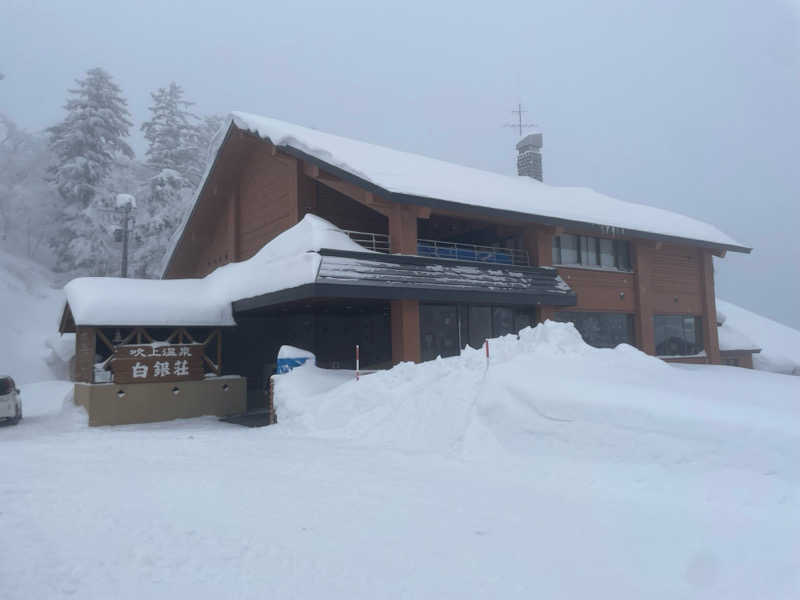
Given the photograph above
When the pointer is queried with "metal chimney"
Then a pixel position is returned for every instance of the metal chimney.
(529, 157)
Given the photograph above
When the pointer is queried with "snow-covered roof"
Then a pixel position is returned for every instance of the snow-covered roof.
(288, 261)
(742, 329)
(394, 172)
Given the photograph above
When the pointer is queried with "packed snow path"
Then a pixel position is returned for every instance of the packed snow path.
(611, 475)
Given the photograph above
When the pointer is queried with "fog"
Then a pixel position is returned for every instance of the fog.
(690, 106)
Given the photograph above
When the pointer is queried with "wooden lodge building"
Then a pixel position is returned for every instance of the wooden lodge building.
(328, 242)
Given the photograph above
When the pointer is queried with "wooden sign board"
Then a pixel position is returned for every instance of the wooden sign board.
(150, 363)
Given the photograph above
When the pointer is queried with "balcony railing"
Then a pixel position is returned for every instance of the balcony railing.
(380, 242)
(472, 252)
(377, 242)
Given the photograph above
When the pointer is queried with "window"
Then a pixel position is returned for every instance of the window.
(678, 335)
(444, 328)
(502, 320)
(439, 330)
(602, 330)
(590, 251)
(480, 325)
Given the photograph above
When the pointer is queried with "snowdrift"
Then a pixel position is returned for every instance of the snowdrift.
(546, 391)
(30, 348)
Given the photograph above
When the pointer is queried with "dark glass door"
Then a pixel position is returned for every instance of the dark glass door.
(438, 330)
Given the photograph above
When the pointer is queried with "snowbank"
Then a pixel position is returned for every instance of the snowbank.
(412, 174)
(548, 387)
(291, 260)
(29, 308)
(740, 328)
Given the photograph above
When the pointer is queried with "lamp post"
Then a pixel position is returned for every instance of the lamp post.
(127, 203)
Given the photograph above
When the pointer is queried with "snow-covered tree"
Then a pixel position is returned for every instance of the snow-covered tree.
(91, 136)
(27, 201)
(88, 146)
(202, 137)
(169, 130)
(177, 154)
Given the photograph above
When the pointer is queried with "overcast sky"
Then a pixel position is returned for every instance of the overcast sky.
(691, 105)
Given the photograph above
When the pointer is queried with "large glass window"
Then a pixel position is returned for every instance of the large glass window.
(445, 328)
(480, 325)
(439, 335)
(588, 251)
(678, 335)
(502, 320)
(602, 330)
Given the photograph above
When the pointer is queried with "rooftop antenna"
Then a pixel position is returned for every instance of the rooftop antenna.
(519, 117)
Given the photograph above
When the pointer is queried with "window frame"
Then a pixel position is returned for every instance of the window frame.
(621, 253)
(629, 318)
(699, 338)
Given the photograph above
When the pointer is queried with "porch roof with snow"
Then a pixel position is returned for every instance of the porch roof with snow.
(312, 259)
(376, 276)
(407, 178)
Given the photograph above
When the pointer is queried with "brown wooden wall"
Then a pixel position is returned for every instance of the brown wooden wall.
(601, 290)
(268, 199)
(676, 280)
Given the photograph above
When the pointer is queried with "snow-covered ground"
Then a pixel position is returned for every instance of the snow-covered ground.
(559, 471)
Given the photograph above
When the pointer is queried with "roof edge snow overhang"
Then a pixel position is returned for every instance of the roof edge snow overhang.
(441, 204)
(372, 291)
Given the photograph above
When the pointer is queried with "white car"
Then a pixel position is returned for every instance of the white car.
(10, 403)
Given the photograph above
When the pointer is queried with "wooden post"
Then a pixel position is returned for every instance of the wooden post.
(219, 352)
(546, 312)
(85, 345)
(403, 229)
(643, 263)
(405, 331)
(710, 333)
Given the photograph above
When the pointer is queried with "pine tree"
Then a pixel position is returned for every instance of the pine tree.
(169, 130)
(171, 133)
(201, 140)
(87, 146)
(90, 137)
(177, 155)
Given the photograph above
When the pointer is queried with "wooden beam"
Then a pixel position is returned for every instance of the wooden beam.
(105, 340)
(188, 336)
(219, 352)
(311, 170)
(350, 190)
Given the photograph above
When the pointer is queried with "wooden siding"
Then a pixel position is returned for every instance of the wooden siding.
(268, 199)
(217, 251)
(601, 290)
(676, 280)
